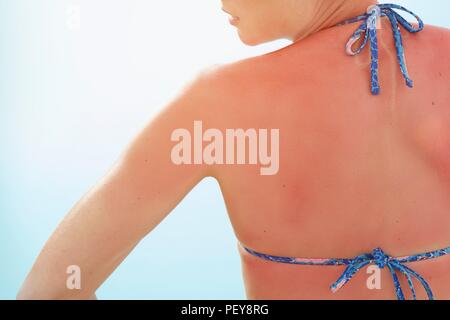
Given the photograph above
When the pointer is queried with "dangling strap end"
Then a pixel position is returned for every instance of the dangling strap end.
(410, 83)
(376, 91)
(337, 285)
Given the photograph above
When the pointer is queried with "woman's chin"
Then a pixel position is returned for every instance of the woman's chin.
(249, 40)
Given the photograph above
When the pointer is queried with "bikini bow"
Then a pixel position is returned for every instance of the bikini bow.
(379, 258)
(371, 21)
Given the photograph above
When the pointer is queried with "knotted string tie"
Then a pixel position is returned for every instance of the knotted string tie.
(371, 21)
(379, 258)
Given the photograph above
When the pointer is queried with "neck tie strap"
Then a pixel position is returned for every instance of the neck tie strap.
(371, 21)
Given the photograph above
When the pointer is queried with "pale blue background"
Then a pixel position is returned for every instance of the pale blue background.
(71, 97)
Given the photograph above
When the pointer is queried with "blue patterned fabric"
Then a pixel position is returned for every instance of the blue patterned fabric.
(377, 257)
(369, 28)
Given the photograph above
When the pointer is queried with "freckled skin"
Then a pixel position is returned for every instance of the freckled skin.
(356, 171)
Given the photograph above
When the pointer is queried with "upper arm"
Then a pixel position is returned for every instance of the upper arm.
(135, 196)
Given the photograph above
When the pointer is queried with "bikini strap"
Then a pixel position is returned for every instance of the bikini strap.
(377, 257)
(382, 260)
(370, 24)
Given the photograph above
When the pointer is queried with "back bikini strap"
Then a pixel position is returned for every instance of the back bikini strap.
(369, 26)
(377, 257)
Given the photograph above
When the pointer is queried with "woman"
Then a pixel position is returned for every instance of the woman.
(363, 164)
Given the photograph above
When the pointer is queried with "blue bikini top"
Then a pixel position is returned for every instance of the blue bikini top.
(376, 257)
(369, 25)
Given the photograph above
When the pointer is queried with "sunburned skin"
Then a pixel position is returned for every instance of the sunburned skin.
(356, 171)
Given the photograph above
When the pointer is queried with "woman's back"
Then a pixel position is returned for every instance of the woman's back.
(356, 171)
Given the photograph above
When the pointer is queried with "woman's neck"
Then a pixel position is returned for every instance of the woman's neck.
(334, 12)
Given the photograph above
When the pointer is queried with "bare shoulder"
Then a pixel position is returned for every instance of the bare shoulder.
(439, 42)
(440, 32)
(430, 121)
(229, 76)
(219, 81)
(229, 87)
(435, 38)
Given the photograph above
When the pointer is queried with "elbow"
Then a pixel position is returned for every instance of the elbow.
(29, 294)
(25, 294)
